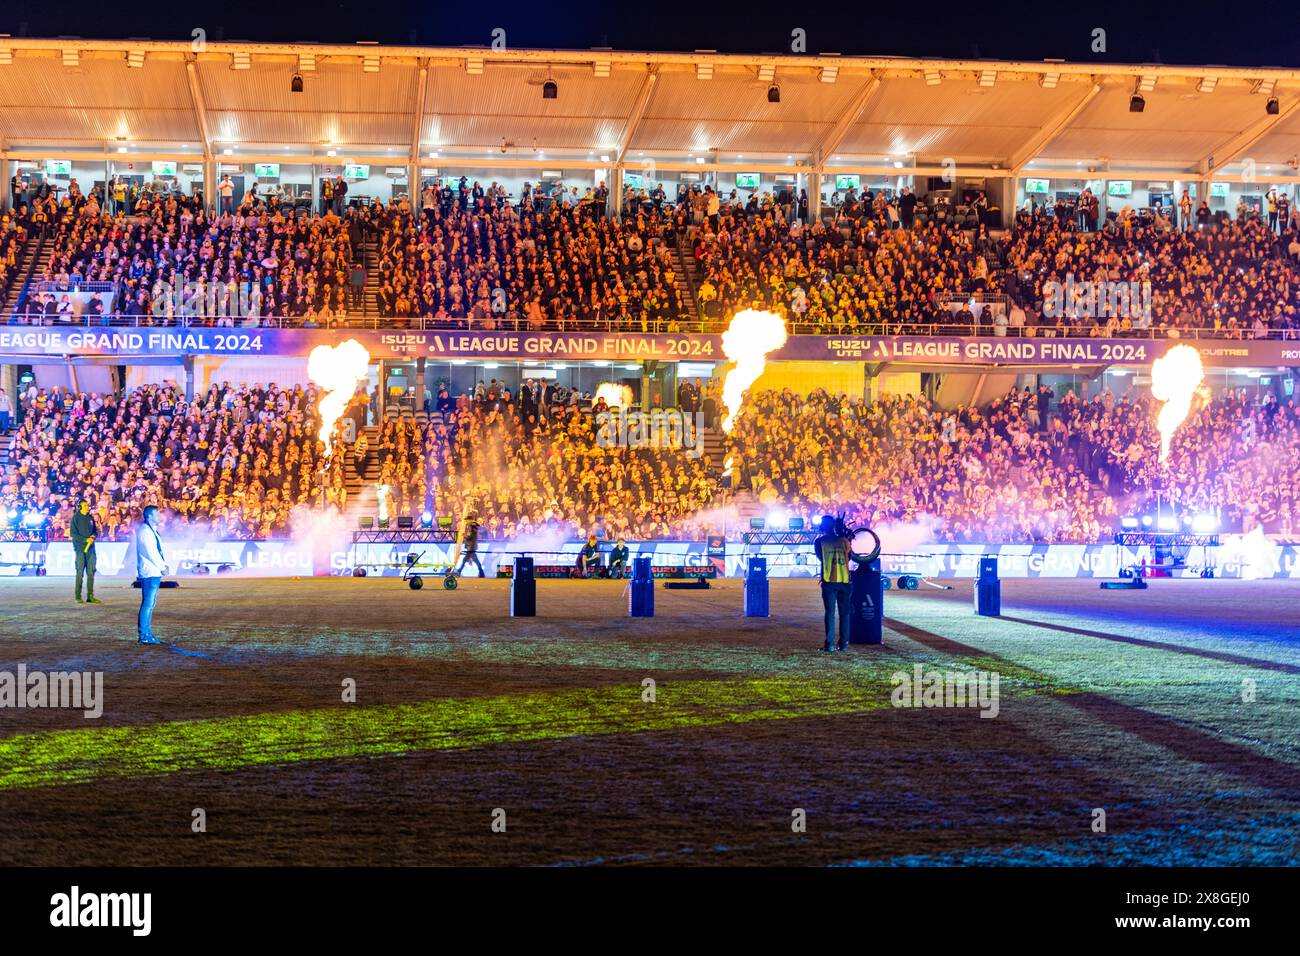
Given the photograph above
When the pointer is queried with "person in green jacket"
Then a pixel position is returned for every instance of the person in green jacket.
(83, 532)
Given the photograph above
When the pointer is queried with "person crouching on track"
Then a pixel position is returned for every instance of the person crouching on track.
(588, 562)
(833, 552)
(469, 543)
(83, 532)
(618, 560)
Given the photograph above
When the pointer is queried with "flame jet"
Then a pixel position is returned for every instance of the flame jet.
(748, 340)
(1175, 377)
(337, 370)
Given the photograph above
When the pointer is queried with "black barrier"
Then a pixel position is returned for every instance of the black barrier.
(523, 589)
(988, 589)
(866, 604)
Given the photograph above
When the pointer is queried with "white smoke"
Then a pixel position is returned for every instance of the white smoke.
(1253, 553)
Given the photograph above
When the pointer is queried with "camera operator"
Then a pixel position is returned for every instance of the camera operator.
(832, 549)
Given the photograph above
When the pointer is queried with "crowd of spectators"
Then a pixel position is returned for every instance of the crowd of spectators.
(1023, 468)
(170, 261)
(465, 255)
(534, 462)
(234, 462)
(469, 258)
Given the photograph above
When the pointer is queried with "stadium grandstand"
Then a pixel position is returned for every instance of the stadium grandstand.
(976, 262)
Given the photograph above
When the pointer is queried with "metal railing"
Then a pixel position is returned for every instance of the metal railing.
(73, 284)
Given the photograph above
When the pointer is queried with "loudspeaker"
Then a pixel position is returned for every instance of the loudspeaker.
(523, 588)
(988, 569)
(988, 589)
(866, 604)
(641, 589)
(757, 602)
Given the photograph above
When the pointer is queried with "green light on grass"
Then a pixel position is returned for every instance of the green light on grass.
(64, 757)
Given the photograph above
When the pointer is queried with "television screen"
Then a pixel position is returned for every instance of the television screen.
(266, 170)
(58, 167)
(1119, 187)
(1037, 186)
(845, 181)
(164, 168)
(633, 180)
(1218, 190)
(356, 172)
(746, 180)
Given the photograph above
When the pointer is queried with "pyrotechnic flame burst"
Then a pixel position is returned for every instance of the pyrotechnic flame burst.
(382, 492)
(1175, 377)
(337, 370)
(615, 395)
(747, 341)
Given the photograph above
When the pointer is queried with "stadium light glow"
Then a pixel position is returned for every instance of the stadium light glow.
(33, 519)
(1168, 523)
(426, 520)
(1147, 521)
(1206, 523)
(1129, 524)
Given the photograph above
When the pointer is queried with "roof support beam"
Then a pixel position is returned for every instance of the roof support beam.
(638, 113)
(200, 109)
(831, 141)
(1234, 148)
(417, 114)
(1053, 128)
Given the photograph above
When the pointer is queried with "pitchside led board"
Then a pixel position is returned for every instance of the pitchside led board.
(56, 344)
(197, 556)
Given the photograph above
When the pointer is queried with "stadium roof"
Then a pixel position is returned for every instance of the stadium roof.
(373, 103)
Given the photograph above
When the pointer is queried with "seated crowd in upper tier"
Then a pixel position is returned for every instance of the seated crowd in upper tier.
(472, 257)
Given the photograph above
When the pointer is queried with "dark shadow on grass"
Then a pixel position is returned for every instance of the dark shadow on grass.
(1186, 741)
(1162, 646)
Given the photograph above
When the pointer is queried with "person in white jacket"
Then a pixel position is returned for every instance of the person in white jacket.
(150, 566)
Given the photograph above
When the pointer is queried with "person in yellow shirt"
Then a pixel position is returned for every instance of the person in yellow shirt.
(832, 549)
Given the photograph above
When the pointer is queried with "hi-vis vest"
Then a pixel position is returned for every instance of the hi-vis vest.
(834, 554)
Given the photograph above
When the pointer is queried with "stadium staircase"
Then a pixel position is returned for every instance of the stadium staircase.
(370, 294)
(683, 259)
(715, 449)
(358, 482)
(6, 449)
(35, 257)
(747, 507)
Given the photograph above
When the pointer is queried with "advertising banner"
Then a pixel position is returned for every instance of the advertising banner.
(20, 342)
(937, 561)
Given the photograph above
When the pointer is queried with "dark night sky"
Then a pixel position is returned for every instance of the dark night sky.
(1260, 33)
